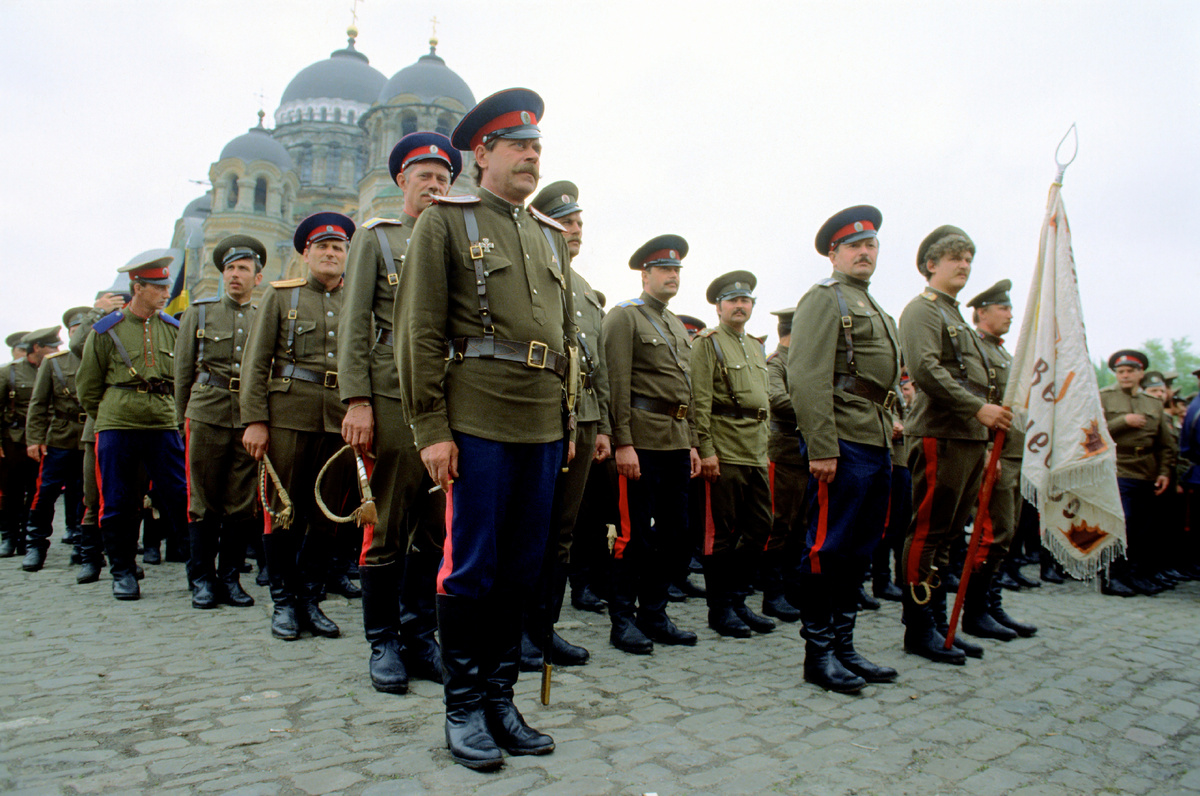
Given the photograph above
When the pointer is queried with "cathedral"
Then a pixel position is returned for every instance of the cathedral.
(335, 126)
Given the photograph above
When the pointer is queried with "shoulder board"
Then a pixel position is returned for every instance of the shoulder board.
(209, 300)
(830, 282)
(374, 222)
(709, 332)
(929, 295)
(456, 200)
(632, 303)
(545, 219)
(107, 322)
(299, 281)
(55, 354)
(171, 319)
(1109, 388)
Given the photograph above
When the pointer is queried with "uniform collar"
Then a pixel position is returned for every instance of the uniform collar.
(991, 338)
(489, 199)
(651, 301)
(731, 332)
(846, 279)
(228, 301)
(318, 286)
(946, 297)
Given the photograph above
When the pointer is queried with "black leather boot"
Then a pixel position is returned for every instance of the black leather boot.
(721, 617)
(280, 551)
(311, 617)
(37, 538)
(562, 652)
(865, 601)
(921, 636)
(938, 603)
(231, 555)
(8, 534)
(418, 616)
(507, 725)
(1049, 567)
(996, 609)
(625, 634)
(775, 593)
(381, 623)
(977, 618)
(121, 544)
(745, 567)
(92, 554)
(1014, 572)
(881, 575)
(202, 555)
(821, 665)
(844, 614)
(652, 616)
(462, 626)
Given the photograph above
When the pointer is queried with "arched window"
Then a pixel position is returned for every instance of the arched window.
(408, 123)
(350, 117)
(306, 164)
(337, 114)
(445, 124)
(308, 114)
(333, 164)
(231, 195)
(260, 195)
(323, 114)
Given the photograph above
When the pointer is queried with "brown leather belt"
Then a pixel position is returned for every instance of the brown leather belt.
(724, 410)
(659, 406)
(979, 392)
(865, 389)
(149, 387)
(536, 355)
(1134, 450)
(218, 381)
(327, 379)
(384, 336)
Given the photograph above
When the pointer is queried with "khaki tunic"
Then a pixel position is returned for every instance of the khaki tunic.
(293, 403)
(1155, 444)
(226, 329)
(16, 380)
(640, 362)
(783, 437)
(944, 407)
(529, 295)
(55, 416)
(150, 344)
(818, 354)
(734, 440)
(1001, 362)
(593, 403)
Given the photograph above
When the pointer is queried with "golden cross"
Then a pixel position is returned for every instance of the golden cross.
(434, 21)
(354, 12)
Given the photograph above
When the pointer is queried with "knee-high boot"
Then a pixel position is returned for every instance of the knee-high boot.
(381, 623)
(821, 665)
(463, 628)
(503, 656)
(418, 616)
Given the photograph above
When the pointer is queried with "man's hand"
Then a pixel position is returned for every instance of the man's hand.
(109, 302)
(36, 452)
(695, 463)
(603, 448)
(255, 439)
(823, 469)
(710, 468)
(897, 430)
(1160, 484)
(1135, 420)
(997, 418)
(627, 462)
(441, 462)
(358, 426)
(570, 451)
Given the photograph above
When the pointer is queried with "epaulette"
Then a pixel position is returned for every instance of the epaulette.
(545, 219)
(709, 332)
(371, 223)
(830, 282)
(171, 319)
(456, 200)
(210, 300)
(108, 321)
(299, 281)
(1109, 388)
(929, 295)
(632, 303)
(55, 354)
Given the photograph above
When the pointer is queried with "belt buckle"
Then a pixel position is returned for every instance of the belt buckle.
(762, 415)
(143, 388)
(83, 417)
(235, 384)
(681, 412)
(537, 346)
(889, 400)
(330, 379)
(393, 279)
(476, 251)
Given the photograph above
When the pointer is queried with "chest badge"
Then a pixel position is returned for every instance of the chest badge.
(486, 244)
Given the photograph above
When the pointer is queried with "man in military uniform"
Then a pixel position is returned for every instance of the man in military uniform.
(729, 409)
(124, 381)
(16, 343)
(53, 433)
(788, 472)
(484, 313)
(843, 374)
(648, 354)
(18, 472)
(560, 201)
(983, 611)
(289, 405)
(400, 553)
(221, 475)
(948, 427)
(1145, 456)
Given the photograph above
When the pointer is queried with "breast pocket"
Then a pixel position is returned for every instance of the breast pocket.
(492, 263)
(307, 342)
(652, 340)
(865, 322)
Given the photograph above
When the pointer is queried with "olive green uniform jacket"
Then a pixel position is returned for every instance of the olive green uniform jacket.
(16, 380)
(593, 403)
(529, 294)
(1001, 362)
(226, 330)
(783, 439)
(824, 413)
(268, 396)
(1142, 453)
(55, 417)
(150, 344)
(944, 407)
(640, 361)
(734, 440)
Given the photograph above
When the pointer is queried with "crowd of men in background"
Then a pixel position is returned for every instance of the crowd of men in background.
(516, 437)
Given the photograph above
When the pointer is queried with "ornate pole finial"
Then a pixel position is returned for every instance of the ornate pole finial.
(1062, 167)
(433, 40)
(261, 115)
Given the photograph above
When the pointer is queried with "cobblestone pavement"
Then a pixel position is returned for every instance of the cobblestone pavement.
(154, 697)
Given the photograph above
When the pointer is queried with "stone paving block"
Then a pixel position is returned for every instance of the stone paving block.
(326, 780)
(1145, 737)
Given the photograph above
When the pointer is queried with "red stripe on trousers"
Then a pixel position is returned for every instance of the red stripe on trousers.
(623, 511)
(917, 548)
(771, 486)
(369, 528)
(448, 547)
(37, 489)
(99, 484)
(710, 527)
(814, 558)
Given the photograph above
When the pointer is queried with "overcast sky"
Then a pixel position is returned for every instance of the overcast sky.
(741, 126)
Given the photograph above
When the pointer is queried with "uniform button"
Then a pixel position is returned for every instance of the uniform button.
(237, 365)
(330, 314)
(239, 348)
(331, 334)
(330, 355)
(239, 331)
(527, 257)
(535, 291)
(583, 334)
(239, 315)
(326, 295)
(578, 314)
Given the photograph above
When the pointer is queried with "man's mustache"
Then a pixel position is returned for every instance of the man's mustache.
(527, 168)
